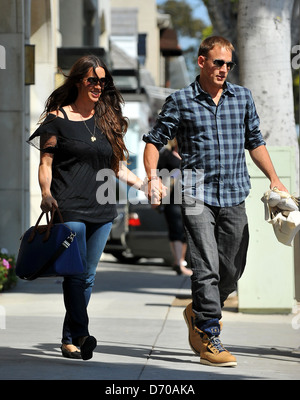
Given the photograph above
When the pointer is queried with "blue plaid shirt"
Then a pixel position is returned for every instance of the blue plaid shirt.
(211, 140)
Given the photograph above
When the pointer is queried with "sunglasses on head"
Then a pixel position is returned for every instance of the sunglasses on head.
(92, 80)
(219, 64)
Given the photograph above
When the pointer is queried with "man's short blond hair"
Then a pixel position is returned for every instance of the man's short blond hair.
(212, 41)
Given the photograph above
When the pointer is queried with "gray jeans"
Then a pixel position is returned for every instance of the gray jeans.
(217, 242)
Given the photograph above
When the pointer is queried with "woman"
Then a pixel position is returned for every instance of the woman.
(170, 159)
(82, 133)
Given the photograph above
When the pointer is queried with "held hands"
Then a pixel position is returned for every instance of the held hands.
(154, 189)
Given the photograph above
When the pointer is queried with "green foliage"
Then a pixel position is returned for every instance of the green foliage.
(234, 2)
(208, 31)
(182, 18)
(187, 26)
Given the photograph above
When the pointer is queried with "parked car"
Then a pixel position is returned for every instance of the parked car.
(138, 232)
(115, 244)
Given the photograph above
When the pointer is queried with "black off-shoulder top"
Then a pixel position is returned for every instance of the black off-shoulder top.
(81, 193)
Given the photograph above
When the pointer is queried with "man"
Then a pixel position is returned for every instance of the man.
(214, 122)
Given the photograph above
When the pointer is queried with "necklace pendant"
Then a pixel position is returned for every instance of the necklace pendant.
(93, 138)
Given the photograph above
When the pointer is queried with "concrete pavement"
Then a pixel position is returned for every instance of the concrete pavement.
(136, 316)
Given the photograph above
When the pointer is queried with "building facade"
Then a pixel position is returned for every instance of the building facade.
(37, 37)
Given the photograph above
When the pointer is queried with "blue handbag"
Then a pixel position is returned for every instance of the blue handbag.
(48, 250)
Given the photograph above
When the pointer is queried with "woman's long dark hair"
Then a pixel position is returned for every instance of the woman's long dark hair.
(108, 111)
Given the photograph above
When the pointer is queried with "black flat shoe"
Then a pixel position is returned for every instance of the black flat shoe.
(177, 269)
(70, 354)
(182, 271)
(87, 347)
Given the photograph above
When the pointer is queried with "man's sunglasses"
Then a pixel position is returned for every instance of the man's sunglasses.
(92, 80)
(219, 63)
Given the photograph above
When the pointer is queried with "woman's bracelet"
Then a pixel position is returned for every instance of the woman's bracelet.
(153, 178)
(147, 181)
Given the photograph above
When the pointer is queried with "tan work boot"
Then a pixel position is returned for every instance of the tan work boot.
(194, 337)
(213, 352)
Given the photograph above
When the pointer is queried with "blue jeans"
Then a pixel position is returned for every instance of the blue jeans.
(78, 288)
(217, 242)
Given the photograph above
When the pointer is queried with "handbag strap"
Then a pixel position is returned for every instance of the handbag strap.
(49, 223)
(64, 246)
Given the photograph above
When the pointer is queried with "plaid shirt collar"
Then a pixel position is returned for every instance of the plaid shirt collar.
(201, 94)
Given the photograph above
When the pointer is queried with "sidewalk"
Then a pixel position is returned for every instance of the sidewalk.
(136, 316)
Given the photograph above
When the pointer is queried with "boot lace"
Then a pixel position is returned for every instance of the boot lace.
(216, 342)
